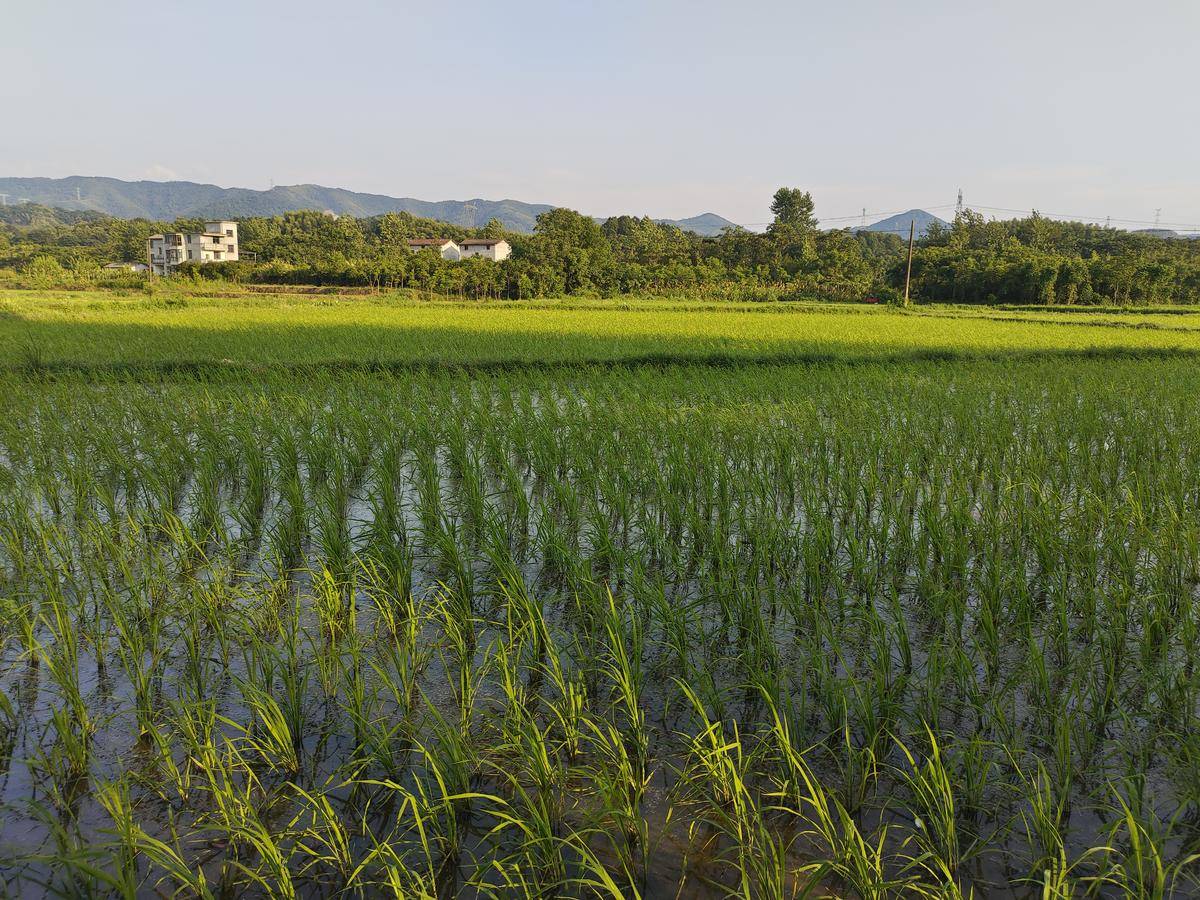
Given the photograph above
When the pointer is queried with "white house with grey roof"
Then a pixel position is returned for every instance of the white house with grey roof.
(444, 247)
(489, 248)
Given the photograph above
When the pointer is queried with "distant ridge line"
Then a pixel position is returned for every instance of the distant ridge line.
(170, 200)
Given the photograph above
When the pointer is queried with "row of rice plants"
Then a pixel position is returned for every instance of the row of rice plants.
(758, 632)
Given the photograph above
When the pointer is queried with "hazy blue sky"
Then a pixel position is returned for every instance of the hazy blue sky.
(669, 108)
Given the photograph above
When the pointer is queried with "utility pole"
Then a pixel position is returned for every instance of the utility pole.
(912, 225)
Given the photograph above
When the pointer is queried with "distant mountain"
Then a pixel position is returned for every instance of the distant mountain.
(898, 224)
(705, 224)
(169, 200)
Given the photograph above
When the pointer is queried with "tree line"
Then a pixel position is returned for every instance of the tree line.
(1037, 260)
(1031, 260)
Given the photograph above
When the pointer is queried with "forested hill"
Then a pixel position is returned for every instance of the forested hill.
(705, 224)
(898, 224)
(170, 200)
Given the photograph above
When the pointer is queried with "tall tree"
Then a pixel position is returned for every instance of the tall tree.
(794, 228)
(793, 209)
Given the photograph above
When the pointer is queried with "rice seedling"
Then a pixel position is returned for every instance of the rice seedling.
(883, 626)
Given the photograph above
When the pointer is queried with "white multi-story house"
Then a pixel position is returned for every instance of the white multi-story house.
(489, 248)
(445, 247)
(218, 242)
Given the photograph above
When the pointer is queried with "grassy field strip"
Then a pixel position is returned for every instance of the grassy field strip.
(358, 333)
(1161, 321)
(69, 302)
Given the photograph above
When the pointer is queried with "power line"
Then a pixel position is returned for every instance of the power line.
(1076, 217)
(886, 214)
(863, 214)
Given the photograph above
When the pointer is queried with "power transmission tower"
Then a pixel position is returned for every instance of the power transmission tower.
(1107, 220)
(3, 199)
(1157, 216)
(958, 207)
(78, 196)
(864, 225)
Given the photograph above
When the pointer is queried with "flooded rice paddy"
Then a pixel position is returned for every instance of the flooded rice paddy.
(871, 630)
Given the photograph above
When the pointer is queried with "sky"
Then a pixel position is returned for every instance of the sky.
(1088, 109)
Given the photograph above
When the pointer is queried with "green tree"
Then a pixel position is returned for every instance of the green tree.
(793, 209)
(394, 228)
(794, 229)
(562, 230)
(44, 272)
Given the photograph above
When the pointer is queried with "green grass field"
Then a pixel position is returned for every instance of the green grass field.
(363, 596)
(94, 331)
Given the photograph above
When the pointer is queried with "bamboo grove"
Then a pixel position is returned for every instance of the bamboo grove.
(773, 631)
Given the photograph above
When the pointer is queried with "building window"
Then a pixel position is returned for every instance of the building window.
(229, 247)
(228, 232)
